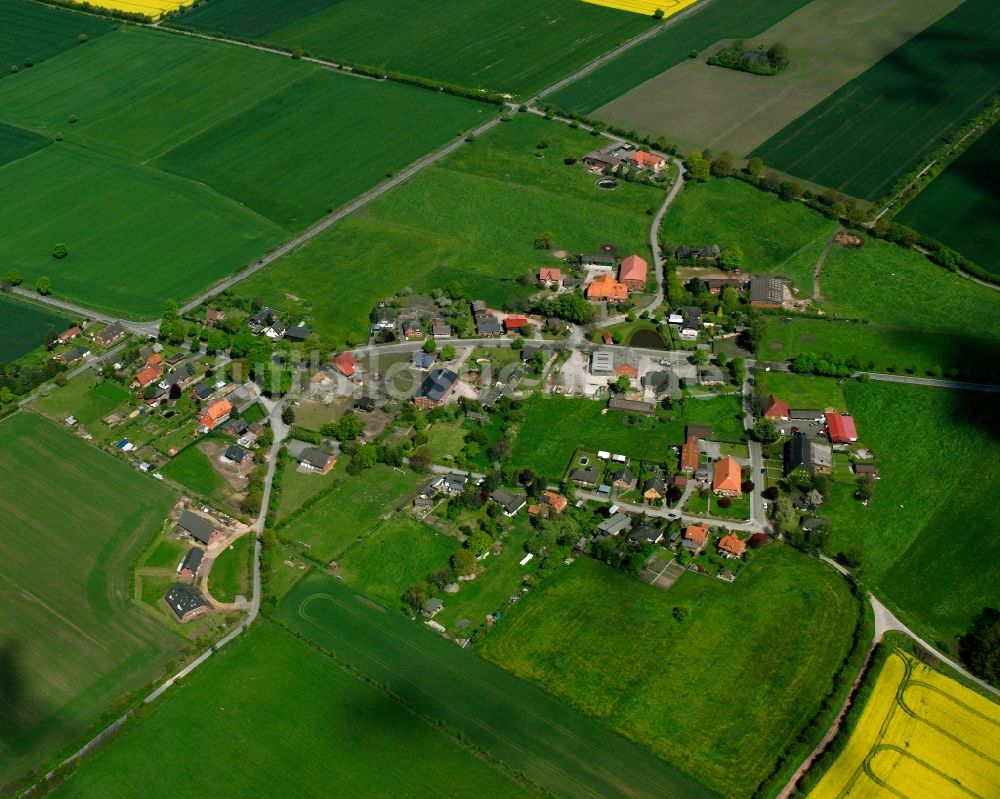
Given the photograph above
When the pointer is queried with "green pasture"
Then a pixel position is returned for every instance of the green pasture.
(38, 32)
(297, 487)
(230, 575)
(23, 327)
(729, 683)
(777, 237)
(926, 536)
(167, 553)
(304, 724)
(86, 397)
(803, 391)
(555, 746)
(17, 142)
(73, 642)
(877, 127)
(960, 207)
(529, 45)
(192, 469)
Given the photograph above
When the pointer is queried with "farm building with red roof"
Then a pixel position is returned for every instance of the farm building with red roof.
(632, 273)
(841, 429)
(345, 364)
(776, 408)
(727, 479)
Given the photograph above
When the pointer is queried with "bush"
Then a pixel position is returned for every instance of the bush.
(724, 502)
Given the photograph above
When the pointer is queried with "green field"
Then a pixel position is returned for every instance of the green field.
(351, 510)
(529, 46)
(297, 487)
(17, 142)
(803, 391)
(302, 723)
(193, 470)
(876, 128)
(473, 218)
(777, 237)
(960, 207)
(705, 26)
(398, 554)
(230, 573)
(72, 642)
(555, 746)
(86, 397)
(555, 427)
(36, 32)
(926, 536)
(23, 327)
(738, 682)
(212, 137)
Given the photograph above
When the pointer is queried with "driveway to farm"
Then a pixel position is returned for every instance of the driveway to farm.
(750, 526)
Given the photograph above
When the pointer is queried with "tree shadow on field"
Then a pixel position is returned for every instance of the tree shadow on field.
(20, 712)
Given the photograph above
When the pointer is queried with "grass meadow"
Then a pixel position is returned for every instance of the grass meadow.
(555, 746)
(37, 32)
(731, 682)
(960, 207)
(23, 327)
(230, 575)
(17, 142)
(72, 642)
(192, 469)
(86, 397)
(783, 238)
(877, 127)
(529, 46)
(472, 218)
(803, 391)
(303, 723)
(926, 536)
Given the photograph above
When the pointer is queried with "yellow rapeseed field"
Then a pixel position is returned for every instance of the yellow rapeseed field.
(646, 7)
(153, 9)
(920, 734)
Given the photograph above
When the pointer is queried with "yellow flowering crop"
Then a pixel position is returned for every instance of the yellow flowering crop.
(646, 7)
(153, 9)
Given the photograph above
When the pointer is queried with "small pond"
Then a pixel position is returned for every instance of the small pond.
(647, 339)
(608, 184)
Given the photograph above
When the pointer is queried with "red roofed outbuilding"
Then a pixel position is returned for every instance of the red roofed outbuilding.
(841, 429)
(776, 408)
(514, 323)
(345, 364)
(632, 273)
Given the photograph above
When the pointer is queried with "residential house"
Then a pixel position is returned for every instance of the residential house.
(804, 455)
(664, 384)
(261, 321)
(213, 316)
(602, 363)
(276, 330)
(690, 454)
(678, 480)
(181, 377)
(632, 272)
(627, 370)
(346, 364)
(776, 409)
(365, 404)
(557, 502)
(727, 478)
(435, 388)
(645, 533)
(422, 360)
(840, 427)
(299, 333)
(385, 319)
(147, 376)
(110, 334)
(624, 479)
(73, 355)
(233, 427)
(192, 562)
(711, 376)
(200, 528)
(616, 523)
(867, 470)
(641, 160)
(514, 323)
(766, 292)
(730, 546)
(586, 476)
(154, 360)
(605, 287)
(186, 603)
(202, 391)
(236, 454)
(432, 607)
(653, 489)
(317, 459)
(549, 276)
(602, 160)
(68, 335)
(695, 538)
(619, 403)
(410, 327)
(215, 414)
(511, 503)
(488, 325)
(440, 329)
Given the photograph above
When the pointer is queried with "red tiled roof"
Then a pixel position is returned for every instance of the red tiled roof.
(841, 428)
(606, 287)
(154, 359)
(514, 322)
(697, 533)
(146, 376)
(628, 370)
(549, 273)
(777, 409)
(73, 331)
(557, 501)
(633, 268)
(728, 475)
(642, 158)
(732, 544)
(215, 412)
(689, 453)
(346, 364)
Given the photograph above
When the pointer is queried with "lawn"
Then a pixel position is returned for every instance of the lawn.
(610, 645)
(23, 327)
(926, 536)
(877, 127)
(529, 46)
(472, 218)
(230, 573)
(803, 391)
(960, 207)
(304, 724)
(555, 427)
(445, 440)
(717, 212)
(350, 511)
(701, 27)
(830, 43)
(398, 554)
(72, 640)
(708, 505)
(193, 470)
(167, 554)
(552, 744)
(36, 33)
(297, 487)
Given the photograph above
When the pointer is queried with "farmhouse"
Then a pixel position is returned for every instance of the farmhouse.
(726, 478)
(440, 329)
(191, 563)
(488, 325)
(317, 459)
(73, 355)
(548, 276)
(766, 292)
(776, 408)
(641, 160)
(841, 429)
(511, 503)
(435, 388)
(695, 537)
(110, 334)
(663, 383)
(410, 327)
(602, 159)
(804, 455)
(690, 456)
(627, 370)
(605, 287)
(236, 454)
(615, 524)
(198, 527)
(632, 272)
(730, 546)
(299, 333)
(215, 414)
(432, 607)
(345, 364)
(711, 376)
(68, 335)
(186, 603)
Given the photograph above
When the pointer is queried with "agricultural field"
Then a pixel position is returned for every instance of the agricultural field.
(877, 127)
(925, 536)
(31, 32)
(16, 143)
(919, 734)
(803, 391)
(151, 114)
(529, 46)
(830, 44)
(72, 641)
(611, 646)
(302, 722)
(555, 427)
(960, 207)
(472, 218)
(23, 327)
(699, 29)
(154, 9)
(785, 239)
(553, 745)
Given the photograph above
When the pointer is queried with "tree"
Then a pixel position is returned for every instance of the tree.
(463, 562)
(479, 543)
(366, 456)
(737, 368)
(755, 330)
(866, 488)
(288, 414)
(420, 460)
(658, 14)
(170, 311)
(622, 384)
(731, 257)
(544, 240)
(447, 353)
(814, 497)
(175, 391)
(429, 346)
(59, 251)
(14, 277)
(722, 165)
(698, 168)
(784, 515)
(979, 648)
(765, 431)
(790, 190)
(349, 427)
(416, 595)
(754, 167)
(778, 55)
(700, 357)
(43, 285)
